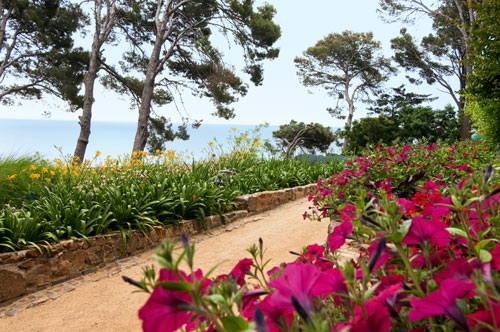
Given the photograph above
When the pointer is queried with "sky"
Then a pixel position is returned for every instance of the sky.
(281, 98)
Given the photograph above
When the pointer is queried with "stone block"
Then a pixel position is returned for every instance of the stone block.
(12, 283)
(38, 275)
(242, 202)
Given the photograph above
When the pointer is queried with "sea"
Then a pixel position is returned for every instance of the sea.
(57, 138)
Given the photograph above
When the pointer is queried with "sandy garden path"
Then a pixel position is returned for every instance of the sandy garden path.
(101, 301)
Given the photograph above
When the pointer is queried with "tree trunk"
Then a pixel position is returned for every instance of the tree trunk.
(89, 80)
(348, 122)
(142, 133)
(101, 33)
(466, 120)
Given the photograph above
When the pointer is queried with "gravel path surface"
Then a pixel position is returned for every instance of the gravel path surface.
(101, 301)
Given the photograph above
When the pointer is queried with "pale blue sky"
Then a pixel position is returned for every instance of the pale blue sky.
(281, 98)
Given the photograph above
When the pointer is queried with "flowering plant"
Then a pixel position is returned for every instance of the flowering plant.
(396, 171)
(428, 262)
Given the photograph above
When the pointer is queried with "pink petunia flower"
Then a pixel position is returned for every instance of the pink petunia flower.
(379, 321)
(486, 316)
(423, 231)
(241, 269)
(442, 302)
(495, 253)
(339, 234)
(304, 282)
(458, 269)
(164, 312)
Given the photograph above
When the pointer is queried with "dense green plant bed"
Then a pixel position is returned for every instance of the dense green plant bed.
(427, 219)
(44, 202)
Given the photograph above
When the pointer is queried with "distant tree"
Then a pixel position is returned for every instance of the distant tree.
(104, 19)
(443, 54)
(484, 91)
(171, 48)
(36, 51)
(311, 137)
(348, 65)
(409, 123)
(389, 103)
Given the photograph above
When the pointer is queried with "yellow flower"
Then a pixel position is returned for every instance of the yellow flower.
(35, 176)
(52, 173)
(45, 170)
(250, 153)
(188, 157)
(12, 177)
(33, 167)
(47, 179)
(246, 137)
(211, 143)
(234, 129)
(97, 153)
(75, 173)
(257, 143)
(167, 162)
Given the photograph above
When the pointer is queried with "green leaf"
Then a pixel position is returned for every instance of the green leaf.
(402, 231)
(370, 291)
(234, 324)
(177, 285)
(216, 298)
(480, 245)
(455, 201)
(485, 256)
(456, 231)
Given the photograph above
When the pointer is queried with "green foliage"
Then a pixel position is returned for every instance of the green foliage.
(61, 201)
(36, 50)
(160, 131)
(311, 137)
(484, 90)
(14, 183)
(401, 117)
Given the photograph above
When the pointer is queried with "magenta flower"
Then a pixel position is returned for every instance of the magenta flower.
(442, 302)
(379, 321)
(304, 282)
(423, 231)
(164, 312)
(387, 298)
(495, 262)
(384, 255)
(339, 234)
(274, 313)
(241, 269)
(458, 269)
(487, 316)
(406, 205)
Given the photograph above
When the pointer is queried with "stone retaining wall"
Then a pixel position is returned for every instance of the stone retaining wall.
(26, 271)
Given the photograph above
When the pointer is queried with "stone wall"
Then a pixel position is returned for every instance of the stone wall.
(26, 271)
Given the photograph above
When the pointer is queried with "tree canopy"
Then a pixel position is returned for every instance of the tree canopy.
(348, 65)
(36, 51)
(311, 137)
(402, 116)
(442, 54)
(171, 48)
(484, 91)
